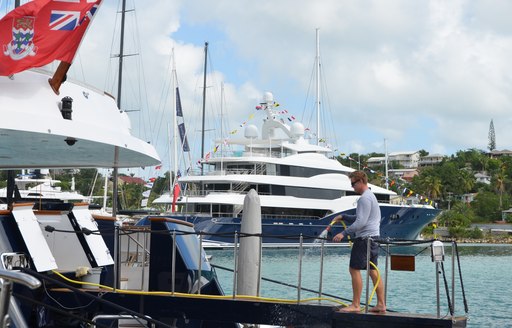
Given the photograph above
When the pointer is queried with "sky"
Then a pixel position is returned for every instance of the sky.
(397, 74)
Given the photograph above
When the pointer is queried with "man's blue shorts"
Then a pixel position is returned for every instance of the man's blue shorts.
(358, 254)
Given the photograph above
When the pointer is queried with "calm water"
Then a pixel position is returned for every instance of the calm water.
(486, 274)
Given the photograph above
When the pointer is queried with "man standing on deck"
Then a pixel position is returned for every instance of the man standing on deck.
(366, 224)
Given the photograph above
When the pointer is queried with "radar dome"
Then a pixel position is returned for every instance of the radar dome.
(251, 131)
(268, 97)
(297, 129)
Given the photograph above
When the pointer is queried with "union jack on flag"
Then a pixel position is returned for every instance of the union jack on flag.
(64, 20)
(68, 20)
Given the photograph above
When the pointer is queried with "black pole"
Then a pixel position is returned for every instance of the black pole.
(121, 55)
(204, 101)
(117, 255)
(10, 188)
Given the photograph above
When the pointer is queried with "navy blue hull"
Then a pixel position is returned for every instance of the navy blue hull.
(397, 222)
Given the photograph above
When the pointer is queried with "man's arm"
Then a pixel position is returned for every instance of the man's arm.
(362, 215)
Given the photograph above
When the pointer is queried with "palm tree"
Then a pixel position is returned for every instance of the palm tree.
(433, 186)
(499, 183)
(467, 180)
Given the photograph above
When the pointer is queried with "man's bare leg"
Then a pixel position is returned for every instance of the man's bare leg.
(357, 288)
(381, 304)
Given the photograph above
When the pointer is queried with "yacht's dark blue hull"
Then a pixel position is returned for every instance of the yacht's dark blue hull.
(398, 222)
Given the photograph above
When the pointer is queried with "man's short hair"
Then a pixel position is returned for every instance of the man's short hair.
(359, 176)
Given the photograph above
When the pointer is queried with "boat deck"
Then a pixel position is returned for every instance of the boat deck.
(227, 310)
(395, 320)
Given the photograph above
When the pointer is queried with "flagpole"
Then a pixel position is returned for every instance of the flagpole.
(59, 77)
(221, 129)
(175, 127)
(317, 86)
(386, 164)
(171, 178)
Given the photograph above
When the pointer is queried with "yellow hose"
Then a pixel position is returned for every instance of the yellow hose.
(371, 263)
(246, 297)
(165, 293)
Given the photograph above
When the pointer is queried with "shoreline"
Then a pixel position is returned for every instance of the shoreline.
(486, 240)
(493, 240)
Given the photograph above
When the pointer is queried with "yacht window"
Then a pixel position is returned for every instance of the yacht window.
(298, 171)
(271, 169)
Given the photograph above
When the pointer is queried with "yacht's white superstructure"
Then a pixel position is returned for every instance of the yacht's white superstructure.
(294, 179)
(81, 127)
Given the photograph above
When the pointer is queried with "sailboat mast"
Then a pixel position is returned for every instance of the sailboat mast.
(121, 55)
(117, 253)
(119, 88)
(204, 101)
(317, 86)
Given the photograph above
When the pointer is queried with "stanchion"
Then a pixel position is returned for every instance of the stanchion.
(321, 269)
(199, 268)
(386, 276)
(300, 269)
(173, 262)
(235, 259)
(368, 245)
(144, 257)
(453, 279)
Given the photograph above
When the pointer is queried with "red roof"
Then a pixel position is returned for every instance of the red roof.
(135, 180)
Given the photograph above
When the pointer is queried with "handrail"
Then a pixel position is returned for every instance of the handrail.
(20, 278)
(6, 284)
(119, 317)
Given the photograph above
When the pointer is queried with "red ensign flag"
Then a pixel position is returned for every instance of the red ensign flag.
(42, 31)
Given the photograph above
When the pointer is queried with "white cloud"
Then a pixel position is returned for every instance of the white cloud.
(424, 75)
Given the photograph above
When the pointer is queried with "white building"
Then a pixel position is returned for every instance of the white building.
(431, 160)
(483, 177)
(407, 159)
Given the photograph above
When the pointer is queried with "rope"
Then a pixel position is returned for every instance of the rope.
(466, 309)
(284, 284)
(85, 231)
(446, 289)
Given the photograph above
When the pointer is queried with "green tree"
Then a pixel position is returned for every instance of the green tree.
(486, 206)
(499, 184)
(433, 186)
(131, 195)
(467, 180)
(492, 137)
(460, 216)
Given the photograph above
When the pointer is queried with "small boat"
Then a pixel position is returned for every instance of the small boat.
(38, 186)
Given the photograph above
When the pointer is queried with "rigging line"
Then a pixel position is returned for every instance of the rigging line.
(157, 125)
(309, 120)
(214, 97)
(327, 104)
(109, 84)
(143, 94)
